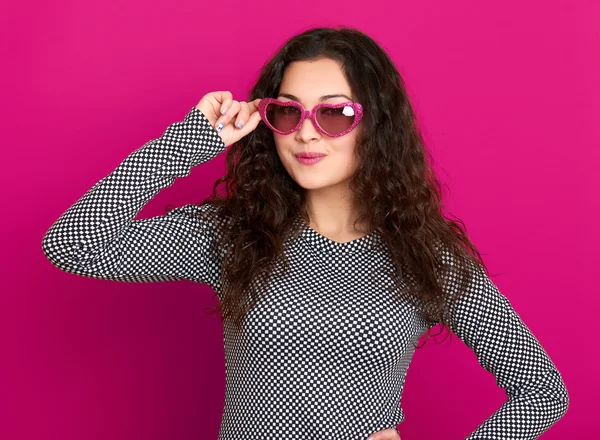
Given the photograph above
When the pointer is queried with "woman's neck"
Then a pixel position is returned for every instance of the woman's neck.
(332, 213)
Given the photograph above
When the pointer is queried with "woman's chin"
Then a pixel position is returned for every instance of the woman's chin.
(312, 184)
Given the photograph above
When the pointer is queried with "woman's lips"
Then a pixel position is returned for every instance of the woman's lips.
(309, 160)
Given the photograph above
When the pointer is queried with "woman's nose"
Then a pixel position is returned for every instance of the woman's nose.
(307, 131)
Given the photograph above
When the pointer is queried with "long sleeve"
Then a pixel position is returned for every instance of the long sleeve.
(98, 237)
(504, 346)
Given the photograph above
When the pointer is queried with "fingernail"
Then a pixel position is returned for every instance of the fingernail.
(220, 126)
(224, 110)
(240, 124)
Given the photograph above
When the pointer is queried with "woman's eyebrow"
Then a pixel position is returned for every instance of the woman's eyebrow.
(322, 98)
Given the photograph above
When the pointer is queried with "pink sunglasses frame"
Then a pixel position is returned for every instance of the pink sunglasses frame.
(311, 114)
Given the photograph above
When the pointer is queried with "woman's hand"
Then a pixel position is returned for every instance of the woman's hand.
(233, 129)
(385, 434)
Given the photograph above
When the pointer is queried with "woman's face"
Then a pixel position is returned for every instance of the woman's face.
(307, 82)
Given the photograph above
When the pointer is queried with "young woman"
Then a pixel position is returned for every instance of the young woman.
(329, 251)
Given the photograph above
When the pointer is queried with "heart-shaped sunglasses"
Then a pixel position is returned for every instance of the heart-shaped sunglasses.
(333, 120)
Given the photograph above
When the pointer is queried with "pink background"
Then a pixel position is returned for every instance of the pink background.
(508, 99)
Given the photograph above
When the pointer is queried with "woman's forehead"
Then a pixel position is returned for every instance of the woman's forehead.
(314, 82)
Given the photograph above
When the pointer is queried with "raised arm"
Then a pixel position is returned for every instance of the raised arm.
(98, 237)
(504, 346)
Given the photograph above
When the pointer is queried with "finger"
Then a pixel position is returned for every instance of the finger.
(225, 98)
(254, 118)
(243, 115)
(250, 124)
(247, 127)
(253, 105)
(229, 114)
(386, 434)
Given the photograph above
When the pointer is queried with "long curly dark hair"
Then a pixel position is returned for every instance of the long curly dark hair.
(397, 192)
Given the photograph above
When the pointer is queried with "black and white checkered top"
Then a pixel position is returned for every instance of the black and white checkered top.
(325, 354)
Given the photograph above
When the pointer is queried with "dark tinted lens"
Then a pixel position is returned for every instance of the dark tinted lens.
(335, 120)
(283, 118)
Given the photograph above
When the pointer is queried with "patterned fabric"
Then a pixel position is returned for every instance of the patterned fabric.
(323, 355)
